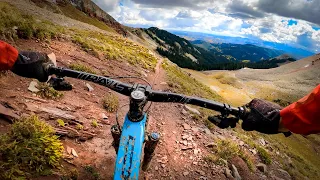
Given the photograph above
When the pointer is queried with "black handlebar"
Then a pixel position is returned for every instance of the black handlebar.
(117, 86)
(154, 96)
(158, 96)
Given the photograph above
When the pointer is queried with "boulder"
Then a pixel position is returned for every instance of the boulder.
(235, 172)
(193, 110)
(90, 88)
(33, 86)
(262, 167)
(228, 174)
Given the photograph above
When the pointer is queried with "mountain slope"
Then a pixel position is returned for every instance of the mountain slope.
(85, 11)
(182, 52)
(201, 55)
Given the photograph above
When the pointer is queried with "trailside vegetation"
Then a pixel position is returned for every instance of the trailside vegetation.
(29, 149)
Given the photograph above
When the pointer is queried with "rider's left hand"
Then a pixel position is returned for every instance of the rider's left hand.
(33, 64)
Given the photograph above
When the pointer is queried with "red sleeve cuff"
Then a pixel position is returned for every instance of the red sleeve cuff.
(303, 116)
(287, 119)
(8, 56)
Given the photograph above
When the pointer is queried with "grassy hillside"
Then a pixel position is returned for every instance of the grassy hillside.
(299, 155)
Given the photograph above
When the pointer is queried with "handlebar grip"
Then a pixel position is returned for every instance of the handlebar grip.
(223, 122)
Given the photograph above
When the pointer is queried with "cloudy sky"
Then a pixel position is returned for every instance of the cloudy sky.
(283, 21)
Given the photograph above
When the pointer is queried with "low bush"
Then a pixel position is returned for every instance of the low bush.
(92, 172)
(46, 91)
(79, 127)
(82, 67)
(227, 149)
(110, 102)
(29, 149)
(94, 123)
(61, 123)
(264, 155)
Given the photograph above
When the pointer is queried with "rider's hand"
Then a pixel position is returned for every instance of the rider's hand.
(263, 116)
(33, 64)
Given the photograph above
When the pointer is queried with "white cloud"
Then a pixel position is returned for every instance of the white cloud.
(107, 5)
(243, 18)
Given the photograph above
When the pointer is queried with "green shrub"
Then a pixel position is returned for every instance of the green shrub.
(46, 91)
(79, 127)
(227, 149)
(82, 67)
(264, 155)
(110, 102)
(61, 123)
(92, 172)
(68, 174)
(94, 123)
(30, 148)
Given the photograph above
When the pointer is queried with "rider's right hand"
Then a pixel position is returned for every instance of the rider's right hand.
(263, 116)
(32, 65)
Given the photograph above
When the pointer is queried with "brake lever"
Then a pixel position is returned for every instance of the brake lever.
(224, 122)
(60, 84)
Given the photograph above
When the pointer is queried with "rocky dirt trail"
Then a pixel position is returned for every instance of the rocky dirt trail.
(184, 141)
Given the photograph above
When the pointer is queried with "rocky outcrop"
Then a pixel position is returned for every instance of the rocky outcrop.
(93, 10)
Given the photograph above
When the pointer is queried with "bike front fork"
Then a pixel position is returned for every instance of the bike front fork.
(149, 148)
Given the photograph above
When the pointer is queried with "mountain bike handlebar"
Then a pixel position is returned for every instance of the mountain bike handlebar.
(154, 96)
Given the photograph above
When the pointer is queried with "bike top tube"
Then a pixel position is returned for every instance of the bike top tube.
(154, 96)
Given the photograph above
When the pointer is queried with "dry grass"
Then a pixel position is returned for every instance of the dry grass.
(82, 67)
(115, 48)
(15, 25)
(72, 12)
(94, 123)
(304, 158)
(61, 123)
(110, 102)
(227, 150)
(181, 82)
(29, 149)
(46, 91)
(225, 78)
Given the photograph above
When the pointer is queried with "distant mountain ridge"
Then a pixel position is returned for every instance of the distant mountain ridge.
(240, 51)
(296, 52)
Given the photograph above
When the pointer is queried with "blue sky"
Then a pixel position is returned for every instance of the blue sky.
(294, 22)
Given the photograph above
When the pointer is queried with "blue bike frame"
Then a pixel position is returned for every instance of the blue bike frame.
(133, 134)
(130, 149)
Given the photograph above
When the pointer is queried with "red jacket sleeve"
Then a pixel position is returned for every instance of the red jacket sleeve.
(8, 56)
(303, 116)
